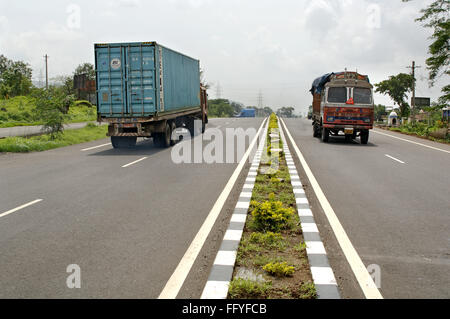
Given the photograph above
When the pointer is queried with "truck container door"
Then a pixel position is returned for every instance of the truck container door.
(110, 78)
(126, 75)
(140, 79)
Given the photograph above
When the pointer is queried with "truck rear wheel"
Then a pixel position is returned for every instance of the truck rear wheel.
(163, 140)
(325, 135)
(364, 137)
(123, 141)
(315, 131)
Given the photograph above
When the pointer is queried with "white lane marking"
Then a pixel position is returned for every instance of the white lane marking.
(132, 163)
(20, 207)
(178, 277)
(395, 159)
(94, 147)
(409, 141)
(362, 275)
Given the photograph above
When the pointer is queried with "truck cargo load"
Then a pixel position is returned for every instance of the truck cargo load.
(247, 113)
(147, 90)
(342, 103)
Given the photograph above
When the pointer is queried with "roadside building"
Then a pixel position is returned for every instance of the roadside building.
(393, 119)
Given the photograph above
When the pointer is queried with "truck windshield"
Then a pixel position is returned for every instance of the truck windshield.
(337, 95)
(362, 96)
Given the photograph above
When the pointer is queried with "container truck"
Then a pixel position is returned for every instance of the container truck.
(247, 113)
(342, 103)
(147, 90)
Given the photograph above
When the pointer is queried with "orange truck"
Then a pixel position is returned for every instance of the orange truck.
(342, 106)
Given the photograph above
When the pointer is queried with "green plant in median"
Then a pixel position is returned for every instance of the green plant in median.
(271, 215)
(247, 289)
(305, 291)
(279, 269)
(268, 240)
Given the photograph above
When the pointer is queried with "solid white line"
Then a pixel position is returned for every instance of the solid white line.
(94, 147)
(362, 275)
(409, 141)
(395, 159)
(178, 277)
(20, 207)
(132, 163)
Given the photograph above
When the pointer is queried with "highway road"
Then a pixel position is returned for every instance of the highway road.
(126, 217)
(392, 197)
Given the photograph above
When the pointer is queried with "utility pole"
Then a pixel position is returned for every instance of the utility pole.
(413, 102)
(46, 71)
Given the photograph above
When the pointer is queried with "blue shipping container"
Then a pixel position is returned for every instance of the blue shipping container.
(248, 113)
(144, 79)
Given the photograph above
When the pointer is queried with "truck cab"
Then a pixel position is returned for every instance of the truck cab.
(343, 105)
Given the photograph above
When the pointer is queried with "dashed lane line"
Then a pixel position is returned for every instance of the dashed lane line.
(20, 207)
(132, 163)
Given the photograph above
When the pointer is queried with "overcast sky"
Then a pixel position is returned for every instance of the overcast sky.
(278, 47)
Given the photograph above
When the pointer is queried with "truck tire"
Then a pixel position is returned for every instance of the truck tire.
(315, 131)
(123, 141)
(348, 138)
(190, 125)
(325, 135)
(364, 137)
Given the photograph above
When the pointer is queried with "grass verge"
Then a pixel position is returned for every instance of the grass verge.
(43, 142)
(272, 247)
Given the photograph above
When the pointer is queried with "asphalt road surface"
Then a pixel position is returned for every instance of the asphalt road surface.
(125, 217)
(393, 199)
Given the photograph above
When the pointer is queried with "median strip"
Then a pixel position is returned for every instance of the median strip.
(268, 257)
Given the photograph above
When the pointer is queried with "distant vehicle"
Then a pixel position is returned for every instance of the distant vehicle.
(247, 113)
(342, 102)
(147, 90)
